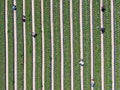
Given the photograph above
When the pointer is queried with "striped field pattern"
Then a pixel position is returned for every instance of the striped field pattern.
(43, 52)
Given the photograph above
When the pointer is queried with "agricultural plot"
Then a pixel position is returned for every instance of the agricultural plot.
(38, 45)
(67, 61)
(76, 40)
(56, 46)
(117, 42)
(86, 23)
(107, 46)
(2, 48)
(96, 28)
(47, 44)
(10, 49)
(41, 45)
(29, 47)
(20, 46)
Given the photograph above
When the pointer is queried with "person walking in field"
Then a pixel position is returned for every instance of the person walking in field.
(34, 34)
(23, 18)
(81, 62)
(103, 8)
(92, 83)
(102, 30)
(14, 7)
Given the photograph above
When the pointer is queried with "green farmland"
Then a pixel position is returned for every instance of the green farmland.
(107, 45)
(10, 45)
(57, 45)
(117, 32)
(2, 48)
(86, 33)
(96, 26)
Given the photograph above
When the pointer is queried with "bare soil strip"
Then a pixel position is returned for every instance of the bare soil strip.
(62, 51)
(102, 47)
(71, 42)
(24, 40)
(81, 44)
(33, 39)
(43, 46)
(52, 44)
(15, 47)
(91, 44)
(6, 41)
(113, 44)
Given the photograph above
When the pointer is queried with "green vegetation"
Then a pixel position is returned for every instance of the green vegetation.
(47, 45)
(117, 30)
(10, 45)
(97, 48)
(107, 46)
(57, 61)
(67, 60)
(76, 33)
(57, 58)
(20, 45)
(38, 45)
(86, 33)
(28, 46)
(2, 49)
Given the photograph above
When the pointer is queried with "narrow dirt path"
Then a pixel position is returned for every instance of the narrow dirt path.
(62, 51)
(91, 43)
(113, 44)
(15, 46)
(24, 41)
(102, 47)
(6, 41)
(81, 44)
(71, 43)
(33, 39)
(43, 46)
(52, 44)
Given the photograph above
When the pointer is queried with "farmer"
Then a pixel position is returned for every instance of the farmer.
(81, 62)
(23, 19)
(92, 83)
(14, 7)
(103, 30)
(34, 34)
(103, 8)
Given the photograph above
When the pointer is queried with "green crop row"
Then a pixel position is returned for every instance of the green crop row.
(117, 39)
(2, 48)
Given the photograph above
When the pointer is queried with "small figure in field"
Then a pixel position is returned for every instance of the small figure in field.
(103, 8)
(34, 34)
(23, 19)
(14, 7)
(102, 30)
(81, 62)
(92, 83)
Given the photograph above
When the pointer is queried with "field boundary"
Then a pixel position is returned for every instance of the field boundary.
(113, 44)
(102, 47)
(71, 42)
(43, 46)
(91, 44)
(15, 46)
(62, 51)
(52, 44)
(24, 41)
(81, 44)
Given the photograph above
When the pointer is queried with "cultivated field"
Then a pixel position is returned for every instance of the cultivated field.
(44, 51)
